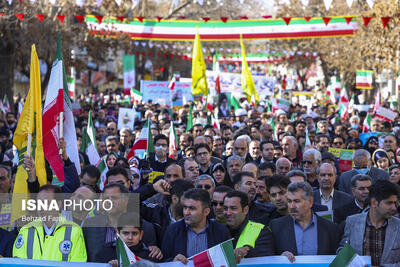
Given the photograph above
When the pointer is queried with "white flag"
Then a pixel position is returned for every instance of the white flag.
(328, 4)
(305, 2)
(370, 3)
(349, 3)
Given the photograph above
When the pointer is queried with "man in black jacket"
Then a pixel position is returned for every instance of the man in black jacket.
(360, 185)
(251, 239)
(195, 233)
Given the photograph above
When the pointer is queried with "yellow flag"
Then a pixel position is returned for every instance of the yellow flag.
(199, 79)
(248, 85)
(30, 121)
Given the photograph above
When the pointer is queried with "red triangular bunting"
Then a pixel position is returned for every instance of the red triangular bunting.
(366, 21)
(224, 19)
(243, 17)
(99, 19)
(120, 18)
(79, 18)
(159, 18)
(287, 20)
(267, 17)
(206, 19)
(348, 20)
(40, 17)
(182, 17)
(150, 54)
(326, 20)
(385, 21)
(307, 18)
(20, 16)
(140, 19)
(61, 18)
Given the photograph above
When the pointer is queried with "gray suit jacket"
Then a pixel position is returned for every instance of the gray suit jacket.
(354, 235)
(345, 178)
(339, 198)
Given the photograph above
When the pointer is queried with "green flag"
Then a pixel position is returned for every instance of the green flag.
(189, 124)
(235, 103)
(347, 257)
(125, 256)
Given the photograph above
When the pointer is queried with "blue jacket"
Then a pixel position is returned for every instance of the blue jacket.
(175, 238)
(6, 243)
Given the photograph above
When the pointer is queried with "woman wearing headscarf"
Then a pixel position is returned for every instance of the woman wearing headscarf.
(381, 159)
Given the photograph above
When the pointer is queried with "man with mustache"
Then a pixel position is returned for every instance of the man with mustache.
(251, 239)
(312, 235)
(246, 183)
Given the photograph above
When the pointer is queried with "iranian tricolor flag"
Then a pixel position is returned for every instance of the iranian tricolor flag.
(385, 114)
(129, 73)
(343, 104)
(307, 142)
(209, 104)
(366, 127)
(347, 257)
(173, 140)
(144, 145)
(279, 103)
(215, 122)
(125, 256)
(88, 145)
(6, 104)
(136, 95)
(217, 256)
(377, 103)
(102, 166)
(364, 79)
(58, 101)
(71, 86)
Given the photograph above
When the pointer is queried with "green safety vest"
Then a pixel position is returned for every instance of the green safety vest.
(249, 234)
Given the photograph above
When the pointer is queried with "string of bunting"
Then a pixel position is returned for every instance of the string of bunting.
(80, 18)
(175, 3)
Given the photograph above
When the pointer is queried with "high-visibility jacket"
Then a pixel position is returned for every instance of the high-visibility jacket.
(65, 244)
(249, 234)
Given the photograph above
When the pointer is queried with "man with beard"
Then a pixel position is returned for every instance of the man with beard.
(376, 233)
(246, 182)
(276, 186)
(311, 160)
(322, 142)
(251, 239)
(195, 233)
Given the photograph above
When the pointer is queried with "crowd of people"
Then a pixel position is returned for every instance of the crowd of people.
(254, 179)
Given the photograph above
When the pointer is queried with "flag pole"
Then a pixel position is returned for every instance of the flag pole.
(61, 123)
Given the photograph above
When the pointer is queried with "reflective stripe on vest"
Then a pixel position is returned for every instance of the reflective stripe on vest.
(29, 245)
(249, 234)
(31, 237)
(67, 236)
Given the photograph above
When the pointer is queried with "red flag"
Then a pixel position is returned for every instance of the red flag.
(218, 84)
(366, 21)
(287, 20)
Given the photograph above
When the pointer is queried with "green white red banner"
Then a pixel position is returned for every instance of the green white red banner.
(364, 79)
(182, 30)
